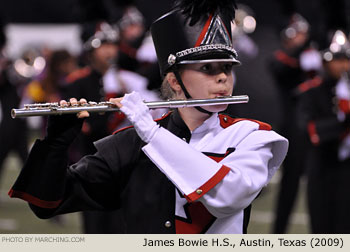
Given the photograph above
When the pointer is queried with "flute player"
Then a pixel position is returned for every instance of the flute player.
(193, 171)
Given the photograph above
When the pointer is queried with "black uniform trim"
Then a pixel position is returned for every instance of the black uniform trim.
(220, 155)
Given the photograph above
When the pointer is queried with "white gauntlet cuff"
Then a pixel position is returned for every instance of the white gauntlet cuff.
(139, 115)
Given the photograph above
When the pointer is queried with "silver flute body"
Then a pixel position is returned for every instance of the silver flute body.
(43, 109)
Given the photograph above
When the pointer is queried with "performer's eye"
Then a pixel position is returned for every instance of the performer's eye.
(228, 68)
(206, 68)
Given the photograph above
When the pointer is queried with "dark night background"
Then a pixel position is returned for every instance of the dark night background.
(323, 13)
(252, 77)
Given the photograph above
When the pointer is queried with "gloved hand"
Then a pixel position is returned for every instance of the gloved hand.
(63, 129)
(139, 115)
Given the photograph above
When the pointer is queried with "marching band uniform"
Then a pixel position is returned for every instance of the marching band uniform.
(324, 109)
(94, 85)
(225, 156)
(286, 69)
(90, 84)
(164, 177)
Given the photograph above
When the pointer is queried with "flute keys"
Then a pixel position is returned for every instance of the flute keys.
(39, 109)
(41, 105)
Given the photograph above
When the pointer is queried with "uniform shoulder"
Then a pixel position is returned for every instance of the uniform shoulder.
(122, 129)
(227, 120)
(164, 118)
(285, 59)
(125, 136)
(160, 121)
(129, 76)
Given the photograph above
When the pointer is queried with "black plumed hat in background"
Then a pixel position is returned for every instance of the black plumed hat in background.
(94, 34)
(195, 31)
(297, 24)
(339, 47)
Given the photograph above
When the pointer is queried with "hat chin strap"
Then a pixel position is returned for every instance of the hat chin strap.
(188, 96)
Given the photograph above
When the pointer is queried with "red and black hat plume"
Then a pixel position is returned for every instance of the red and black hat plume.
(195, 9)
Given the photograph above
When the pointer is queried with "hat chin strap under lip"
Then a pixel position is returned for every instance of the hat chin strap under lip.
(187, 95)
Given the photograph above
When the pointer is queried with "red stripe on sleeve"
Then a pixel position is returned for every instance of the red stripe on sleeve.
(213, 181)
(33, 200)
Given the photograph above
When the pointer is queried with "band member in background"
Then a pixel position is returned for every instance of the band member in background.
(50, 84)
(285, 67)
(192, 171)
(324, 109)
(13, 133)
(137, 52)
(98, 81)
(132, 32)
(102, 79)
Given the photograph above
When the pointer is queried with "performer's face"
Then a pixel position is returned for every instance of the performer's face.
(337, 67)
(209, 80)
(104, 56)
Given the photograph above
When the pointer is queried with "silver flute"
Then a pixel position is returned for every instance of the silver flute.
(43, 109)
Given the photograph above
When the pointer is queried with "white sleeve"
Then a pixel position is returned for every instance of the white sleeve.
(252, 165)
(224, 187)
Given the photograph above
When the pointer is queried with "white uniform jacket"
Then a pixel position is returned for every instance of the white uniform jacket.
(224, 165)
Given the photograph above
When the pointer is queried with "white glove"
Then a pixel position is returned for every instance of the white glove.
(139, 115)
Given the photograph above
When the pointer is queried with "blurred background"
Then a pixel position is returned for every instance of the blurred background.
(46, 46)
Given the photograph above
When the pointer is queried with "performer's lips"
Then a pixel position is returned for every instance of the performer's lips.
(221, 94)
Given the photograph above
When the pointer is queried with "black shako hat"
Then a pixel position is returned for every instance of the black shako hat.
(338, 48)
(195, 31)
(94, 34)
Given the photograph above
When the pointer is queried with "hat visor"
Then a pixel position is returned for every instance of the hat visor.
(209, 57)
(234, 61)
